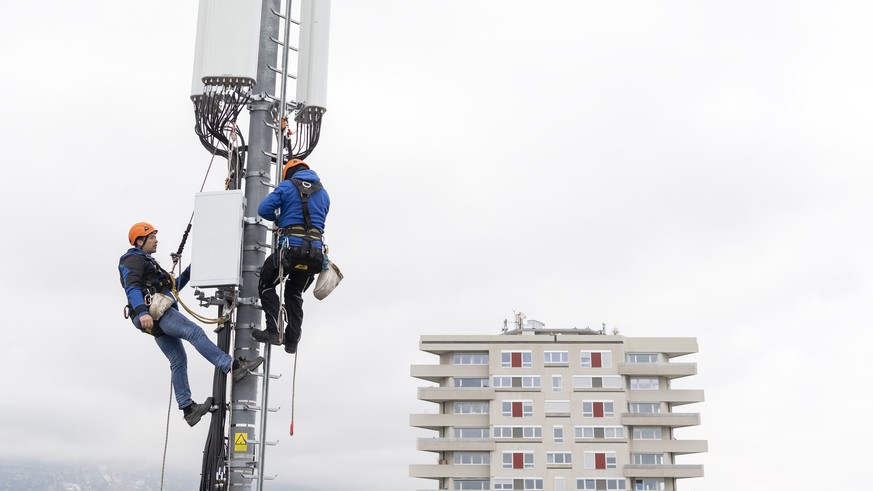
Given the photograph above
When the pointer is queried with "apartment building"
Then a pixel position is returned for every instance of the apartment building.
(556, 410)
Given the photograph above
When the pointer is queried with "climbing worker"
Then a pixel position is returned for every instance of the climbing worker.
(299, 207)
(145, 283)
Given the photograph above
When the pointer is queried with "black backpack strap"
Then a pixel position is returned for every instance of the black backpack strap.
(306, 189)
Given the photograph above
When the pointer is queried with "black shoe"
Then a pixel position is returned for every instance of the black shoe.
(266, 336)
(242, 367)
(195, 411)
(291, 348)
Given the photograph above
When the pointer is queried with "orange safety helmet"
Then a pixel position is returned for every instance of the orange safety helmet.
(291, 163)
(140, 229)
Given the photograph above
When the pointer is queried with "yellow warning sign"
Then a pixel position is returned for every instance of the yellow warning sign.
(239, 442)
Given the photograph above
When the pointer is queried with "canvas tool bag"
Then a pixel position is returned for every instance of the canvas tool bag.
(328, 279)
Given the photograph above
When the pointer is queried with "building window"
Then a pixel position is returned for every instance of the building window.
(589, 382)
(649, 485)
(518, 381)
(471, 407)
(516, 359)
(557, 407)
(556, 357)
(596, 359)
(597, 409)
(645, 407)
(518, 432)
(558, 434)
(597, 484)
(518, 460)
(644, 383)
(559, 458)
(517, 409)
(600, 460)
(595, 432)
(471, 359)
(533, 484)
(518, 484)
(556, 383)
(647, 458)
(471, 382)
(472, 484)
(472, 458)
(471, 433)
(642, 358)
(503, 483)
(647, 433)
(559, 484)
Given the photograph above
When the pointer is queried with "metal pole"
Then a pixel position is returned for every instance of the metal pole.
(244, 392)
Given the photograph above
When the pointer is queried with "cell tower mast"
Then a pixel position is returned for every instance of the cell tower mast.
(228, 77)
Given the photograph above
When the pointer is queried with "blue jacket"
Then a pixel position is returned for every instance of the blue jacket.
(140, 274)
(284, 207)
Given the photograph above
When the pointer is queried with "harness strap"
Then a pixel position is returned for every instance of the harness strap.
(306, 189)
(301, 232)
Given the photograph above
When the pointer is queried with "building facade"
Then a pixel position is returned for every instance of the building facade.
(556, 410)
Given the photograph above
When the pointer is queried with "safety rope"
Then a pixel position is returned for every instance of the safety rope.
(199, 317)
(167, 433)
(293, 391)
(282, 314)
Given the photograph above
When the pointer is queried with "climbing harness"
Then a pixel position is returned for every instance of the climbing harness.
(304, 257)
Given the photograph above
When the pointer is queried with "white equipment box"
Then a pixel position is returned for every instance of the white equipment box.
(216, 247)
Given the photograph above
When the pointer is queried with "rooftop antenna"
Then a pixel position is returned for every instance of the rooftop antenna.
(519, 320)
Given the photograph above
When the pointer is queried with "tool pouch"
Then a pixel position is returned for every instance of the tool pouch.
(159, 304)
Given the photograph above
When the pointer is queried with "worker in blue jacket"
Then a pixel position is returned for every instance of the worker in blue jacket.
(143, 281)
(299, 207)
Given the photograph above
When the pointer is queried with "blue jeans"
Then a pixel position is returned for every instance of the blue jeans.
(177, 327)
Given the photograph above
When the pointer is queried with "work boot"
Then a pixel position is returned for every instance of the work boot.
(242, 367)
(266, 336)
(195, 411)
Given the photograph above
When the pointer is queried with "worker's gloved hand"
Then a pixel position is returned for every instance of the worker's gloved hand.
(146, 322)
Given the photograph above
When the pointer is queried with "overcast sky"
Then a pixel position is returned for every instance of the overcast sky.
(677, 168)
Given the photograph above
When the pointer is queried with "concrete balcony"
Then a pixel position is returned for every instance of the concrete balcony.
(663, 471)
(437, 471)
(668, 370)
(673, 420)
(455, 445)
(442, 394)
(676, 447)
(438, 373)
(671, 347)
(439, 421)
(675, 397)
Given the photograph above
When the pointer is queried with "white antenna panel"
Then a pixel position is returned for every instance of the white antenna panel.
(228, 33)
(312, 56)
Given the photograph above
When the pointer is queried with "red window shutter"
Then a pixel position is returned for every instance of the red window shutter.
(518, 461)
(516, 359)
(596, 359)
(600, 461)
(516, 409)
(598, 409)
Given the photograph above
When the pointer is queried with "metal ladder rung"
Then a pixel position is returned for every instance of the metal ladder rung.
(282, 16)
(280, 43)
